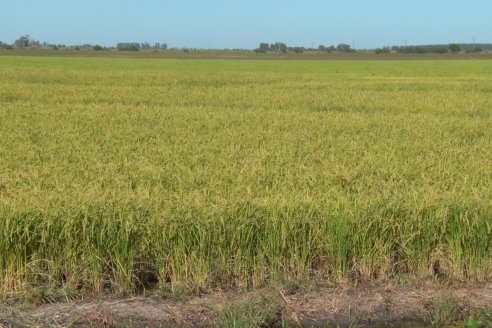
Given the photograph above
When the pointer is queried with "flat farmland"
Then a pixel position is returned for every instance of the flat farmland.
(127, 174)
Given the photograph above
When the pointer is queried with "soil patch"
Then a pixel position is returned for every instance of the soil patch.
(374, 305)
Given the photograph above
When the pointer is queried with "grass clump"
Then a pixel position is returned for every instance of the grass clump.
(444, 313)
(479, 321)
(252, 314)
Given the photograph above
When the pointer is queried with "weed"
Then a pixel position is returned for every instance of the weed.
(479, 321)
(444, 313)
(250, 314)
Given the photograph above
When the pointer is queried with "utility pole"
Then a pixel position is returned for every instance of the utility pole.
(473, 42)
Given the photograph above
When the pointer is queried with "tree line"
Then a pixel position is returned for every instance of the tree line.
(281, 47)
(25, 41)
(430, 49)
(135, 46)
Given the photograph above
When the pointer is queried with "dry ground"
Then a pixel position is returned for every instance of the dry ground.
(374, 305)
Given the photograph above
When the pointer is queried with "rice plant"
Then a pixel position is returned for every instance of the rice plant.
(120, 174)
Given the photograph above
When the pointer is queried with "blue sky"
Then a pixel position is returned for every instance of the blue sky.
(246, 23)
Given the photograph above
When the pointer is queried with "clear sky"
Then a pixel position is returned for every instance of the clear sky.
(246, 23)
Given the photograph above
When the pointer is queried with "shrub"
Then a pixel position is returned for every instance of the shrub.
(128, 48)
(384, 50)
(454, 48)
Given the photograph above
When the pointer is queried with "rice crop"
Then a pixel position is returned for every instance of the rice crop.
(123, 174)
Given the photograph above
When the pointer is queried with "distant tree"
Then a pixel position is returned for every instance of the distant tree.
(412, 50)
(454, 48)
(342, 47)
(326, 49)
(128, 46)
(437, 50)
(384, 50)
(159, 45)
(97, 48)
(405, 50)
(77, 48)
(298, 50)
(282, 46)
(263, 48)
(22, 41)
(278, 47)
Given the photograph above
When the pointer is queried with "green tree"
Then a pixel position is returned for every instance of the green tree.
(342, 47)
(454, 48)
(384, 50)
(279, 47)
(23, 41)
(263, 48)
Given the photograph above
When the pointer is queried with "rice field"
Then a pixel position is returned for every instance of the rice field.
(123, 174)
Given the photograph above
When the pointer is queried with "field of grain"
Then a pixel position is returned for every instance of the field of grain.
(122, 174)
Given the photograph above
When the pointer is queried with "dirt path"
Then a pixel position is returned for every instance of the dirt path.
(311, 307)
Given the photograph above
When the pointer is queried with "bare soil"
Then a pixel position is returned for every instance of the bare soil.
(371, 305)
